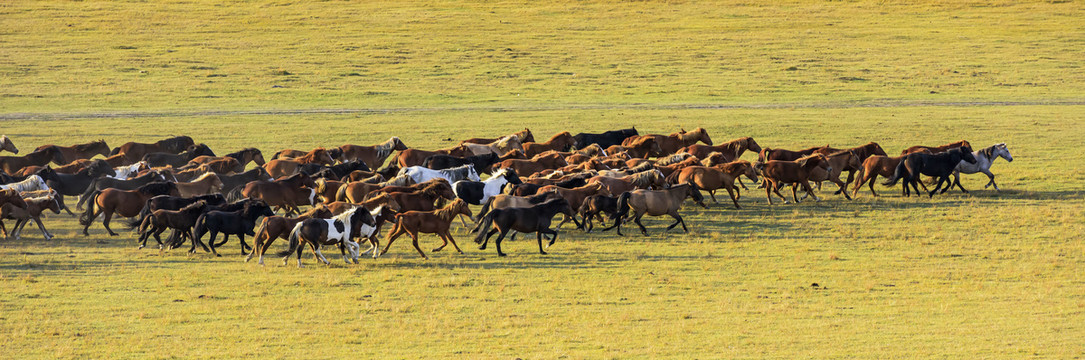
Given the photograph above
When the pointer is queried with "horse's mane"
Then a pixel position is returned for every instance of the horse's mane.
(87, 146)
(641, 167)
(734, 166)
(675, 158)
(242, 152)
(194, 206)
(385, 148)
(157, 188)
(311, 213)
(538, 198)
(203, 177)
(989, 151)
(396, 180)
(506, 141)
(559, 135)
(522, 134)
(644, 178)
(448, 212)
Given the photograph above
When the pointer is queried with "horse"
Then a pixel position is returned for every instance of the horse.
(562, 141)
(208, 183)
(279, 227)
(121, 184)
(874, 166)
(838, 162)
(779, 172)
(575, 197)
(639, 147)
(181, 221)
(357, 191)
(32, 211)
(937, 149)
(500, 146)
(668, 170)
(286, 167)
(338, 230)
(420, 174)
(75, 184)
(594, 206)
(231, 182)
(6, 144)
(219, 165)
(522, 135)
(477, 192)
(247, 155)
(430, 222)
(82, 151)
(656, 203)
(282, 192)
(166, 202)
(336, 171)
(940, 165)
(421, 200)
(731, 150)
(670, 144)
(237, 223)
(134, 152)
(125, 203)
(373, 155)
(159, 159)
(482, 163)
(768, 154)
(604, 140)
(537, 164)
(12, 164)
(722, 176)
(529, 188)
(31, 183)
(984, 159)
(642, 180)
(415, 157)
(125, 171)
(862, 151)
(501, 201)
(534, 219)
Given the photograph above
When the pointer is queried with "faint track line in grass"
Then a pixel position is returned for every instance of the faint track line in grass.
(633, 106)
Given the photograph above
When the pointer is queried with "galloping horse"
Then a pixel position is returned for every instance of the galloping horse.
(279, 227)
(375, 155)
(732, 150)
(82, 151)
(477, 192)
(534, 219)
(656, 203)
(559, 142)
(779, 172)
(940, 165)
(722, 176)
(937, 149)
(12, 164)
(523, 135)
(125, 203)
(133, 152)
(984, 159)
(430, 222)
(338, 230)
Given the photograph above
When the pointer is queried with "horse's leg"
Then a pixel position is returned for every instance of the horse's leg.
(587, 222)
(497, 243)
(538, 236)
(742, 185)
(794, 193)
(768, 192)
(5, 229)
(806, 186)
(453, 241)
(300, 248)
(731, 192)
(316, 250)
(210, 241)
(992, 179)
(414, 241)
(105, 222)
(636, 220)
(677, 220)
(442, 236)
(462, 221)
(392, 235)
(843, 188)
(712, 194)
(485, 241)
(241, 239)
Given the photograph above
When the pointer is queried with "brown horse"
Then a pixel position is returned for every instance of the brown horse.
(732, 150)
(937, 149)
(768, 154)
(874, 166)
(575, 197)
(421, 200)
(862, 151)
(6, 144)
(642, 180)
(718, 177)
(208, 183)
(838, 162)
(439, 184)
(12, 164)
(32, 211)
(373, 156)
(539, 163)
(639, 147)
(82, 151)
(780, 172)
(523, 135)
(667, 170)
(125, 203)
(282, 192)
(670, 144)
(278, 227)
(560, 142)
(430, 222)
(326, 189)
(222, 165)
(356, 191)
(656, 203)
(287, 167)
(133, 152)
(415, 157)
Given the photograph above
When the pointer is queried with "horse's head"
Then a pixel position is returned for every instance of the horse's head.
(526, 136)
(99, 168)
(511, 176)
(702, 135)
(472, 174)
(1002, 151)
(752, 145)
(8, 145)
(397, 144)
(854, 160)
(52, 204)
(874, 149)
(257, 157)
(47, 173)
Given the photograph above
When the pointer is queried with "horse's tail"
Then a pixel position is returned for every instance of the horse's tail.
(859, 175)
(485, 209)
(341, 194)
(673, 177)
(761, 156)
(623, 204)
(483, 227)
(88, 215)
(91, 188)
(138, 220)
(292, 241)
(260, 229)
(235, 194)
(900, 172)
(199, 229)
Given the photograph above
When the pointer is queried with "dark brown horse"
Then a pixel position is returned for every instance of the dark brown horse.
(534, 219)
(12, 164)
(862, 151)
(282, 192)
(125, 203)
(158, 221)
(731, 150)
(768, 154)
(133, 152)
(937, 149)
(670, 144)
(6, 144)
(82, 151)
(373, 156)
(415, 157)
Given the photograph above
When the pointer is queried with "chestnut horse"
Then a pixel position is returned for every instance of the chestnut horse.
(560, 142)
(373, 156)
(838, 162)
(278, 227)
(82, 151)
(732, 150)
(874, 166)
(287, 167)
(415, 157)
(6, 144)
(722, 176)
(32, 211)
(12, 164)
(431, 222)
(356, 191)
(862, 151)
(780, 172)
(670, 144)
(282, 193)
(125, 203)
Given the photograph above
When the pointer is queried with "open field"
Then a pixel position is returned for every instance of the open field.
(986, 275)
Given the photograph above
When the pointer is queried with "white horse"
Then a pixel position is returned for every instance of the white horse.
(124, 172)
(420, 174)
(477, 192)
(984, 159)
(31, 183)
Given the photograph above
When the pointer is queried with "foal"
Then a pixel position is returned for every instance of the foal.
(430, 222)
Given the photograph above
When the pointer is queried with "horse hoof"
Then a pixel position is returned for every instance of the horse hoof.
(502, 254)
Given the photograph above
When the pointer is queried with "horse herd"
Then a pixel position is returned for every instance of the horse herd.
(179, 185)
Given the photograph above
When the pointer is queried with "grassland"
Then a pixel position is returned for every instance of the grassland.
(986, 275)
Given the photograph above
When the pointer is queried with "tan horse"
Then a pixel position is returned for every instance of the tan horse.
(208, 183)
(524, 136)
(286, 167)
(431, 222)
(838, 162)
(373, 156)
(647, 179)
(501, 146)
(82, 151)
(656, 203)
(6, 144)
(722, 176)
(559, 142)
(780, 172)
(32, 211)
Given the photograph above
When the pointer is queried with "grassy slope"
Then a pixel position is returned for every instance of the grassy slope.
(988, 275)
(94, 55)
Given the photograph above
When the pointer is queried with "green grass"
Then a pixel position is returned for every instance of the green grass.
(991, 275)
(986, 275)
(92, 55)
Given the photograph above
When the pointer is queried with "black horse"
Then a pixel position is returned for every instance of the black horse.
(180, 221)
(940, 166)
(605, 140)
(528, 189)
(482, 163)
(598, 204)
(75, 184)
(534, 219)
(167, 202)
(337, 171)
(159, 159)
(231, 182)
(176, 242)
(121, 184)
(477, 192)
(239, 223)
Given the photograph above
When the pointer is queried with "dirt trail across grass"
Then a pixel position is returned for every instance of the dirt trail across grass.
(639, 106)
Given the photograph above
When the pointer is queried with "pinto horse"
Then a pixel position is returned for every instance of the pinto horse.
(732, 150)
(133, 152)
(940, 165)
(431, 222)
(125, 203)
(279, 227)
(937, 149)
(722, 176)
(559, 142)
(339, 230)
(534, 219)
(779, 172)
(656, 203)
(477, 192)
(6, 144)
(12, 164)
(82, 151)
(375, 155)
